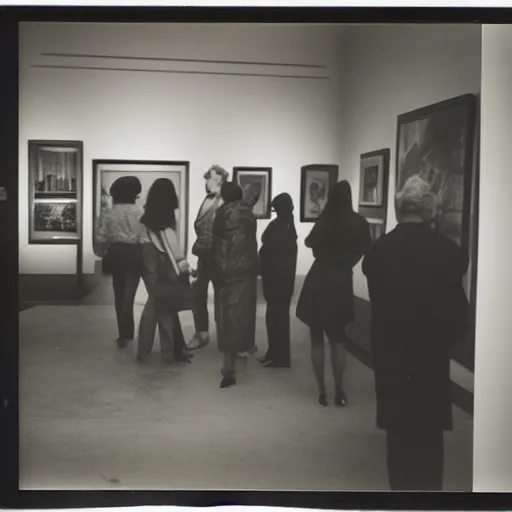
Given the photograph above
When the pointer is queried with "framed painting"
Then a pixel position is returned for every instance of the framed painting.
(260, 177)
(315, 183)
(437, 143)
(377, 228)
(374, 172)
(105, 172)
(55, 191)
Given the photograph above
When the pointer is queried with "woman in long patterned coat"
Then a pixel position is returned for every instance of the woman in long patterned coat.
(234, 275)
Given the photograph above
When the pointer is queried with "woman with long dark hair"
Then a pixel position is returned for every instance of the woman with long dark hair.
(159, 220)
(234, 275)
(119, 236)
(278, 264)
(339, 239)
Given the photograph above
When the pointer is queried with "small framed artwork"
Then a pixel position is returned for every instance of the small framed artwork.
(373, 178)
(259, 178)
(55, 191)
(377, 228)
(105, 172)
(316, 181)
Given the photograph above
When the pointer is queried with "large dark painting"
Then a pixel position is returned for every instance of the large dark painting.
(436, 142)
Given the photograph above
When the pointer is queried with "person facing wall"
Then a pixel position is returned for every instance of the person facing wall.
(418, 311)
(278, 266)
(159, 221)
(339, 239)
(119, 235)
(202, 248)
(234, 273)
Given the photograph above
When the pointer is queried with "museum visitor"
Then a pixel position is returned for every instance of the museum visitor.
(418, 310)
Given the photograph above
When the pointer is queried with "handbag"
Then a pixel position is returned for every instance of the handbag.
(173, 291)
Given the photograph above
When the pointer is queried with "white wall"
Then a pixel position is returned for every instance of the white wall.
(493, 352)
(393, 69)
(233, 121)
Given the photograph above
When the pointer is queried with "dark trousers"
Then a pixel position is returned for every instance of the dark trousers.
(415, 459)
(200, 295)
(169, 326)
(278, 330)
(125, 280)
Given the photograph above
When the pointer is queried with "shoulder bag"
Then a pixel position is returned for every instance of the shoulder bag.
(173, 291)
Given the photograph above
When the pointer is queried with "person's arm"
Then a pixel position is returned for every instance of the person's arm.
(102, 234)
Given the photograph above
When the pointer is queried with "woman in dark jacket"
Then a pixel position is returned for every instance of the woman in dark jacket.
(119, 237)
(419, 310)
(339, 240)
(159, 220)
(234, 274)
(278, 264)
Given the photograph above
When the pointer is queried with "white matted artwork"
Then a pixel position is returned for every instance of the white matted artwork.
(260, 177)
(316, 182)
(105, 172)
(377, 228)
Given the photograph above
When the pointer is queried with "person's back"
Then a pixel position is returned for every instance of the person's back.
(419, 309)
(415, 280)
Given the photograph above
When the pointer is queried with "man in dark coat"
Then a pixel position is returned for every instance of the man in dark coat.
(235, 273)
(419, 309)
(215, 177)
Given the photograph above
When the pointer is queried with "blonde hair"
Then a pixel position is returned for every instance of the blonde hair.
(217, 169)
(416, 198)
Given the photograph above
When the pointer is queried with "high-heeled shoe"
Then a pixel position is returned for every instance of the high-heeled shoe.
(341, 400)
(322, 400)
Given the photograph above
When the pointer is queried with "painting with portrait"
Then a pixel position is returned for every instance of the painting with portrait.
(252, 180)
(106, 172)
(316, 181)
(436, 143)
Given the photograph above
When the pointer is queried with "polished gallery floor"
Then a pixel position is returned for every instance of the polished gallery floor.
(91, 418)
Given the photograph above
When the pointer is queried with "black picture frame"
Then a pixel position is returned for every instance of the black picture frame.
(378, 162)
(260, 175)
(444, 155)
(141, 169)
(327, 174)
(55, 192)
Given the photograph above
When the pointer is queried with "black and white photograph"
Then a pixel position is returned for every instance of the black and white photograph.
(373, 178)
(54, 216)
(316, 181)
(256, 180)
(248, 316)
(55, 179)
(437, 143)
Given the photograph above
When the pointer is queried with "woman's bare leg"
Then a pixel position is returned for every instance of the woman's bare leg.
(338, 361)
(318, 362)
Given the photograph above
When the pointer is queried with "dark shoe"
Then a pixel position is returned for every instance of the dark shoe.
(265, 359)
(140, 358)
(168, 359)
(274, 364)
(228, 381)
(341, 400)
(322, 399)
(122, 342)
(184, 358)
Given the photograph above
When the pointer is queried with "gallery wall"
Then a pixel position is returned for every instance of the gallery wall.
(393, 69)
(283, 123)
(493, 355)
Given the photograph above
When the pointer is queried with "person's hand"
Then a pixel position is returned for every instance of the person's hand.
(184, 267)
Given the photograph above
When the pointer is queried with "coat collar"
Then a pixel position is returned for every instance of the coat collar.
(214, 205)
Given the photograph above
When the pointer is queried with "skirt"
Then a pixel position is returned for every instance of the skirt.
(326, 301)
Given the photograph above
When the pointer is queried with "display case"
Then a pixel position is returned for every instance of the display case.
(55, 191)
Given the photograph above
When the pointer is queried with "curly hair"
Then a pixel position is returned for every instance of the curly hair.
(217, 169)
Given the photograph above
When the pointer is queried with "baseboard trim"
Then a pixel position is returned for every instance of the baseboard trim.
(461, 397)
